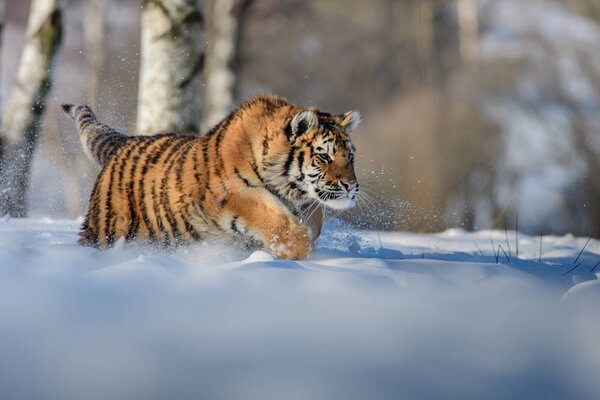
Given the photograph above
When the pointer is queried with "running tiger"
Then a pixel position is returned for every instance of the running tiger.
(259, 177)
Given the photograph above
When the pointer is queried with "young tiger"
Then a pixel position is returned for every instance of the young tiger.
(255, 177)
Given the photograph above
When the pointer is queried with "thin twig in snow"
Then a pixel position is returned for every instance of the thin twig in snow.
(541, 235)
(380, 244)
(507, 242)
(584, 246)
(577, 265)
(517, 235)
(494, 249)
(505, 255)
(480, 252)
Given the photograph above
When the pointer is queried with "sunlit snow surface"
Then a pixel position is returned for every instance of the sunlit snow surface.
(369, 316)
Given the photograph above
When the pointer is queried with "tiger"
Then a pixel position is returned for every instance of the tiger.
(260, 177)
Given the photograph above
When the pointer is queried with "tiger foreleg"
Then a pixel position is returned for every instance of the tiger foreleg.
(282, 233)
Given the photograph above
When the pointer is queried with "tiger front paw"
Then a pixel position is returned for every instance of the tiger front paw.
(293, 245)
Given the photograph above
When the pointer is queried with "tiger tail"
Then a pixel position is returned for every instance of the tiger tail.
(100, 142)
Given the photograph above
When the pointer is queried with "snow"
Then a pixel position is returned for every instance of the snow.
(382, 315)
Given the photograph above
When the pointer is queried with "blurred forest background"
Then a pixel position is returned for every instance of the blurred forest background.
(475, 112)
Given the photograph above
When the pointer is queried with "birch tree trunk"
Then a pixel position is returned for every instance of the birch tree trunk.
(222, 30)
(468, 30)
(422, 22)
(171, 61)
(2, 8)
(94, 39)
(2, 11)
(20, 126)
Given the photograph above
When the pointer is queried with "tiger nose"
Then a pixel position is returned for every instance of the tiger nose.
(349, 185)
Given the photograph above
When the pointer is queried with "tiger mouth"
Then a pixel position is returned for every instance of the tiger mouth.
(337, 199)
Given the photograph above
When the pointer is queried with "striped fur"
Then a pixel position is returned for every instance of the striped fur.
(260, 176)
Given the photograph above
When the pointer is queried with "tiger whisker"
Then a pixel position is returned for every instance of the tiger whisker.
(308, 210)
(367, 190)
(313, 211)
(366, 205)
(369, 200)
(373, 198)
(362, 206)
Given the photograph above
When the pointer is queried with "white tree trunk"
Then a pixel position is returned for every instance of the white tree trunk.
(468, 30)
(223, 41)
(94, 39)
(22, 118)
(422, 22)
(171, 61)
(2, 11)
(2, 7)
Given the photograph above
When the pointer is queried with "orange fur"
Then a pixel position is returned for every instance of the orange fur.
(260, 176)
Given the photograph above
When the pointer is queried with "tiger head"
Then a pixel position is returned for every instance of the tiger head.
(319, 164)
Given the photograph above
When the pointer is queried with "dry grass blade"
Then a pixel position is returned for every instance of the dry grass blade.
(517, 236)
(583, 248)
(576, 265)
(380, 242)
(505, 255)
(496, 255)
(507, 242)
(480, 252)
(541, 235)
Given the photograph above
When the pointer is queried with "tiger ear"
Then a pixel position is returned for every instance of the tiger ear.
(350, 120)
(303, 122)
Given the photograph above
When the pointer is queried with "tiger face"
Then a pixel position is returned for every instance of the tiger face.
(321, 160)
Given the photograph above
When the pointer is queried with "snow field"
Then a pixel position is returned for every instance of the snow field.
(370, 315)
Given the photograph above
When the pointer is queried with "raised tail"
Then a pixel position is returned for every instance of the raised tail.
(100, 142)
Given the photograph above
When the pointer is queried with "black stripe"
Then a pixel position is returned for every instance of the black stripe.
(234, 227)
(134, 224)
(300, 160)
(191, 230)
(258, 175)
(197, 174)
(145, 143)
(288, 129)
(205, 216)
(246, 181)
(181, 160)
(219, 136)
(94, 211)
(300, 164)
(292, 186)
(123, 162)
(164, 194)
(289, 161)
(152, 159)
(159, 151)
(109, 217)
